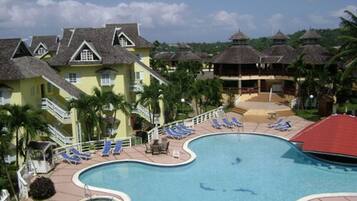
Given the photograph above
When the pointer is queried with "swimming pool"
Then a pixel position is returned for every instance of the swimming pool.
(228, 167)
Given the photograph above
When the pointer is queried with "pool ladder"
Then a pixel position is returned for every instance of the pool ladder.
(87, 192)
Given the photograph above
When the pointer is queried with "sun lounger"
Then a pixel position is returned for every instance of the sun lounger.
(227, 123)
(284, 127)
(81, 155)
(106, 148)
(70, 159)
(171, 134)
(178, 132)
(277, 123)
(118, 147)
(181, 131)
(183, 127)
(216, 124)
(236, 122)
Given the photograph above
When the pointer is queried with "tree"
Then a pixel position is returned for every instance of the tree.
(190, 67)
(5, 139)
(150, 97)
(87, 115)
(298, 66)
(118, 102)
(99, 101)
(27, 119)
(348, 51)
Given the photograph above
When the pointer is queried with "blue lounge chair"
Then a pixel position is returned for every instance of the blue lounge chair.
(284, 127)
(180, 130)
(216, 124)
(118, 147)
(227, 123)
(70, 159)
(172, 134)
(277, 123)
(79, 154)
(236, 122)
(106, 148)
(183, 127)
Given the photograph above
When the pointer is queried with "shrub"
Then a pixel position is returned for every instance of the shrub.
(42, 188)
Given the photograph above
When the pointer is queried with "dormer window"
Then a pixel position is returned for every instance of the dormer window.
(86, 52)
(41, 51)
(87, 55)
(120, 38)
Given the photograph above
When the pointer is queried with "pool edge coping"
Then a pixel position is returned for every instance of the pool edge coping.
(126, 197)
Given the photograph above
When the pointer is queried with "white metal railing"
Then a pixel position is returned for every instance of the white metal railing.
(58, 136)
(146, 114)
(4, 195)
(57, 111)
(24, 175)
(190, 122)
(137, 87)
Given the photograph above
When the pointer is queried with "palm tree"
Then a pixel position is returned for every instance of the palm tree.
(348, 51)
(298, 66)
(150, 97)
(171, 99)
(99, 100)
(118, 102)
(5, 139)
(87, 115)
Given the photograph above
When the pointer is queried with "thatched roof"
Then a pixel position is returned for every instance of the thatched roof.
(314, 54)
(185, 56)
(239, 36)
(286, 52)
(310, 34)
(279, 36)
(238, 54)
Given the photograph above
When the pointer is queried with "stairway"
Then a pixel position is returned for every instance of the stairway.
(145, 113)
(60, 137)
(239, 110)
(264, 97)
(55, 110)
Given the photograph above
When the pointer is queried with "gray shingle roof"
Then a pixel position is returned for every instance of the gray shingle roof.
(100, 38)
(25, 66)
(51, 42)
(132, 31)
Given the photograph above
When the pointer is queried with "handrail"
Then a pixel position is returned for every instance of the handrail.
(4, 195)
(145, 113)
(60, 113)
(190, 122)
(137, 87)
(58, 137)
(24, 173)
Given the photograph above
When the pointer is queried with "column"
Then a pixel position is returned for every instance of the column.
(259, 86)
(239, 86)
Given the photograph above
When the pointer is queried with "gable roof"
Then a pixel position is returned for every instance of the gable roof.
(25, 66)
(78, 51)
(131, 30)
(100, 38)
(51, 42)
(334, 135)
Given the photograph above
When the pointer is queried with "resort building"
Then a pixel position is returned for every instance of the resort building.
(26, 80)
(247, 72)
(44, 47)
(184, 53)
(114, 57)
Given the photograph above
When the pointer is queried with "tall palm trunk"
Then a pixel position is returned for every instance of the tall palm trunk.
(9, 177)
(17, 148)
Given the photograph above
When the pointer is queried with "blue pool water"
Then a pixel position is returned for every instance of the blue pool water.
(228, 168)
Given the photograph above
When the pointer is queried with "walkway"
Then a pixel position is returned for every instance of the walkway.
(62, 175)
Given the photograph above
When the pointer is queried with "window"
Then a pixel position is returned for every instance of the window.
(5, 95)
(123, 41)
(2, 101)
(41, 51)
(139, 75)
(73, 78)
(106, 79)
(86, 55)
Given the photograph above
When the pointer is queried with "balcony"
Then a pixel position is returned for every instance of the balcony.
(60, 137)
(59, 113)
(137, 87)
(146, 114)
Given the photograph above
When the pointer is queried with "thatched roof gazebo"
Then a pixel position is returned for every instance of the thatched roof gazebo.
(281, 49)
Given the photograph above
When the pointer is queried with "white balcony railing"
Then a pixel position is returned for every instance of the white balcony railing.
(58, 136)
(4, 195)
(146, 114)
(60, 113)
(24, 175)
(137, 86)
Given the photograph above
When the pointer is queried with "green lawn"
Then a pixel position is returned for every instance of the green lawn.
(308, 114)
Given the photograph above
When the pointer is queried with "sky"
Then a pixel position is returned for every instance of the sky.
(172, 20)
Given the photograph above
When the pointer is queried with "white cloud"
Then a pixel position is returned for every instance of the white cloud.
(276, 21)
(234, 20)
(341, 12)
(318, 19)
(44, 13)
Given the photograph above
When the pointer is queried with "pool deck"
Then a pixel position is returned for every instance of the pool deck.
(63, 173)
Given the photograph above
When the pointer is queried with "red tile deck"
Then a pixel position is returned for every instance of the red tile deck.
(63, 173)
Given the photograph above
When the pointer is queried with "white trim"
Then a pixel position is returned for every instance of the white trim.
(122, 33)
(80, 48)
(13, 54)
(152, 74)
(115, 33)
(326, 195)
(38, 46)
(70, 39)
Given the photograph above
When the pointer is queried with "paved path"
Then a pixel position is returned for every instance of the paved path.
(63, 173)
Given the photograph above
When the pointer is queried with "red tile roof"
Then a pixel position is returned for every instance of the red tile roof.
(337, 135)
